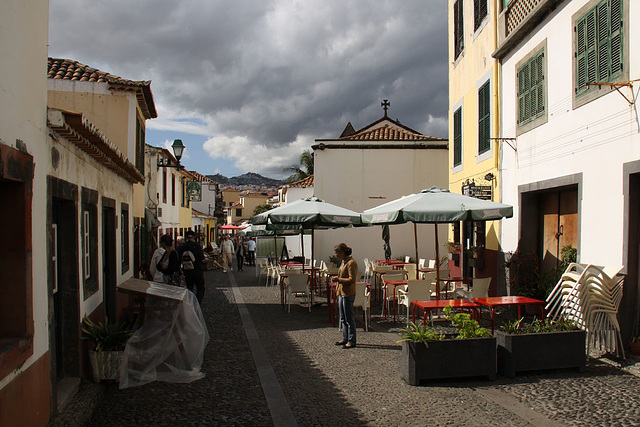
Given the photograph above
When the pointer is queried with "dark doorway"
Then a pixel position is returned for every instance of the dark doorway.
(549, 221)
(64, 289)
(629, 312)
(109, 257)
(559, 225)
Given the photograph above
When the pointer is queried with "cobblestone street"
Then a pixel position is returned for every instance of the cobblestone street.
(326, 385)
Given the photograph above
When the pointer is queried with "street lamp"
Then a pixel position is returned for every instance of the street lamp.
(178, 149)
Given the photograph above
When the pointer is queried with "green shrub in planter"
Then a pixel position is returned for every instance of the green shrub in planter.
(109, 341)
(428, 355)
(540, 345)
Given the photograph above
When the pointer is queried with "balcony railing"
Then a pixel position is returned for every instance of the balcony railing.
(517, 19)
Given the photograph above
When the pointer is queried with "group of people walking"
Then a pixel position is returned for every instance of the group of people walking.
(244, 249)
(181, 265)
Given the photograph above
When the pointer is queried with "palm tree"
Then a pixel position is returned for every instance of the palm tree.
(303, 170)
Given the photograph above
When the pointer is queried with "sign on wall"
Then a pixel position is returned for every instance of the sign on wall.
(482, 192)
(194, 191)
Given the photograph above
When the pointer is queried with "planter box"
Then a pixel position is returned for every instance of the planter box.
(448, 359)
(476, 262)
(530, 352)
(105, 365)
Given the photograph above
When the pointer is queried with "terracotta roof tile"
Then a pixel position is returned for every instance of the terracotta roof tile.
(303, 183)
(389, 133)
(66, 69)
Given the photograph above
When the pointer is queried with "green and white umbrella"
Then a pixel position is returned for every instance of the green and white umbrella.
(310, 213)
(435, 205)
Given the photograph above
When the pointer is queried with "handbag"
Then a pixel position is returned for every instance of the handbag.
(176, 279)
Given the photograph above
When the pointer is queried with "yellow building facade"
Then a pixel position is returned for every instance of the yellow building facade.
(473, 122)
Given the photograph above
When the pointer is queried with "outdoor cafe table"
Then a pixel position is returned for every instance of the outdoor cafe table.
(493, 302)
(427, 306)
(395, 284)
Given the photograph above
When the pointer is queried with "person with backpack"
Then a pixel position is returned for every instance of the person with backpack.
(192, 259)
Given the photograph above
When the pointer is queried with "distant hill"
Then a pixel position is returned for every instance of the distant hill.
(248, 178)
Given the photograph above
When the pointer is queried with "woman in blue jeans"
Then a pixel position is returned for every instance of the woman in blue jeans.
(346, 291)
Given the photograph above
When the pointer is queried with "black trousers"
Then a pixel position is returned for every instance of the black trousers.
(195, 279)
(251, 257)
(240, 259)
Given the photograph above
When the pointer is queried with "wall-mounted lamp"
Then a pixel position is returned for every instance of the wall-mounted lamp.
(178, 149)
(489, 177)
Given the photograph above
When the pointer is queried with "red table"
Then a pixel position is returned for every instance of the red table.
(427, 306)
(494, 302)
(395, 284)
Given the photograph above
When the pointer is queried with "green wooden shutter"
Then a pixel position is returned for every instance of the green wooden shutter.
(484, 125)
(590, 39)
(539, 61)
(603, 42)
(581, 55)
(457, 137)
(616, 25)
(521, 92)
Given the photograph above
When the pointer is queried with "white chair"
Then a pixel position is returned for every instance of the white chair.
(480, 289)
(388, 277)
(363, 299)
(589, 296)
(407, 258)
(411, 270)
(432, 263)
(261, 269)
(271, 273)
(297, 285)
(416, 290)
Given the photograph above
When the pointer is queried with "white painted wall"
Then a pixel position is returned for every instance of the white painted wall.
(208, 203)
(77, 167)
(296, 193)
(594, 139)
(23, 104)
(359, 179)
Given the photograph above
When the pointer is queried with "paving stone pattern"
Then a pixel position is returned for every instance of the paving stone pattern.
(327, 385)
(229, 394)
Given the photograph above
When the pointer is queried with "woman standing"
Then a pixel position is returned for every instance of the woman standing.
(169, 264)
(346, 290)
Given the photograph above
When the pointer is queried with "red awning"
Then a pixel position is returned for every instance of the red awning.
(232, 227)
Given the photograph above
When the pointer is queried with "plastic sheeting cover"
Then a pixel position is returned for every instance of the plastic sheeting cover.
(170, 345)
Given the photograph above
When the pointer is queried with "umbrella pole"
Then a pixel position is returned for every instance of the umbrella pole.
(313, 271)
(302, 243)
(415, 237)
(275, 246)
(437, 264)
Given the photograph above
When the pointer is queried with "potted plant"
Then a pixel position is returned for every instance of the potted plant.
(541, 344)
(635, 345)
(109, 341)
(336, 264)
(454, 250)
(475, 256)
(428, 355)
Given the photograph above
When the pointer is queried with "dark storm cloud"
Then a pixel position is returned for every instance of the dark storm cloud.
(276, 74)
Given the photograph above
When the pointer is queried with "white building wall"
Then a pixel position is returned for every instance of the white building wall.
(23, 105)
(78, 168)
(208, 203)
(359, 179)
(296, 193)
(594, 139)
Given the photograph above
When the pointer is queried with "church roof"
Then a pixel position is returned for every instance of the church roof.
(387, 129)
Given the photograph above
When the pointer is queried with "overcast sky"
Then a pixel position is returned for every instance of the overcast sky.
(249, 84)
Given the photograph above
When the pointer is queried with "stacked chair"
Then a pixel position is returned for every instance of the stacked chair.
(590, 296)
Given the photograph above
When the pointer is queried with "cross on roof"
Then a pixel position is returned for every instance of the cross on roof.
(385, 106)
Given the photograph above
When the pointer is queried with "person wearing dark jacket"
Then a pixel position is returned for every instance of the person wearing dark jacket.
(169, 264)
(192, 260)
